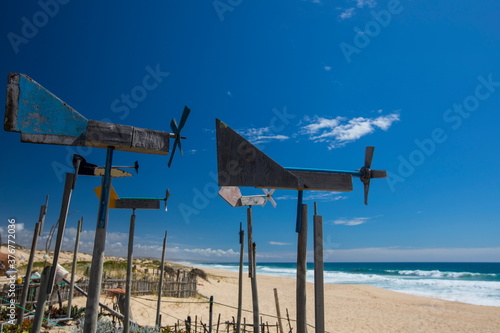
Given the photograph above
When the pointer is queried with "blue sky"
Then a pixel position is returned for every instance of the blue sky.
(310, 82)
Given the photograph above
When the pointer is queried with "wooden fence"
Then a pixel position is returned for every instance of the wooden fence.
(182, 288)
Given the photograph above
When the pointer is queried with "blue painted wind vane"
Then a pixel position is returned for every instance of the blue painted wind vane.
(41, 117)
(242, 164)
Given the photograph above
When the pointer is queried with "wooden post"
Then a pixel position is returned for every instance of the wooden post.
(128, 284)
(69, 185)
(240, 281)
(27, 277)
(92, 306)
(278, 313)
(211, 311)
(187, 322)
(158, 305)
(252, 272)
(218, 323)
(288, 319)
(73, 267)
(41, 302)
(301, 274)
(319, 296)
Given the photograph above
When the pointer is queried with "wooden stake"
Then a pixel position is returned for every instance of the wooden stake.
(278, 313)
(27, 277)
(218, 323)
(73, 267)
(41, 302)
(69, 185)
(252, 273)
(128, 284)
(211, 308)
(288, 319)
(92, 306)
(301, 274)
(319, 296)
(158, 305)
(240, 281)
(188, 324)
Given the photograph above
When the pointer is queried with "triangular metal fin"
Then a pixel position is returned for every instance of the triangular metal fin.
(240, 163)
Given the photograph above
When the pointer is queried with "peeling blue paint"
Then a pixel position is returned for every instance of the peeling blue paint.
(41, 112)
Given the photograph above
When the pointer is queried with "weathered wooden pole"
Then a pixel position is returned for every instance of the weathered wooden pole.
(252, 272)
(42, 299)
(27, 277)
(240, 281)
(158, 305)
(69, 185)
(301, 274)
(128, 284)
(278, 312)
(92, 306)
(211, 313)
(319, 296)
(73, 267)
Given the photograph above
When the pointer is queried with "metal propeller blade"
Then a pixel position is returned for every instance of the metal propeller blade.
(369, 156)
(269, 197)
(167, 195)
(174, 127)
(176, 130)
(172, 155)
(366, 189)
(378, 174)
(367, 174)
(184, 117)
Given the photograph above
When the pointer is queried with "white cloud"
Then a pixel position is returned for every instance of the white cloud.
(367, 3)
(262, 135)
(315, 196)
(324, 196)
(340, 131)
(351, 11)
(327, 68)
(352, 221)
(212, 252)
(347, 13)
(278, 243)
(117, 245)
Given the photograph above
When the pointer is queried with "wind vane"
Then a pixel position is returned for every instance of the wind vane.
(240, 163)
(43, 118)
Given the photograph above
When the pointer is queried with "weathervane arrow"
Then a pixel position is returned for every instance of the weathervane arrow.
(41, 117)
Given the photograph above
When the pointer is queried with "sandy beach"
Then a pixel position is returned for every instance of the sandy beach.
(348, 308)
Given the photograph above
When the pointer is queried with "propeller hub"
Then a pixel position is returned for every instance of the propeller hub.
(365, 174)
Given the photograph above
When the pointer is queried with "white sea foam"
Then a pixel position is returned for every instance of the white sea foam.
(439, 274)
(451, 286)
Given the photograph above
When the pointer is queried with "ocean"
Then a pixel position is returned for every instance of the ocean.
(474, 283)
